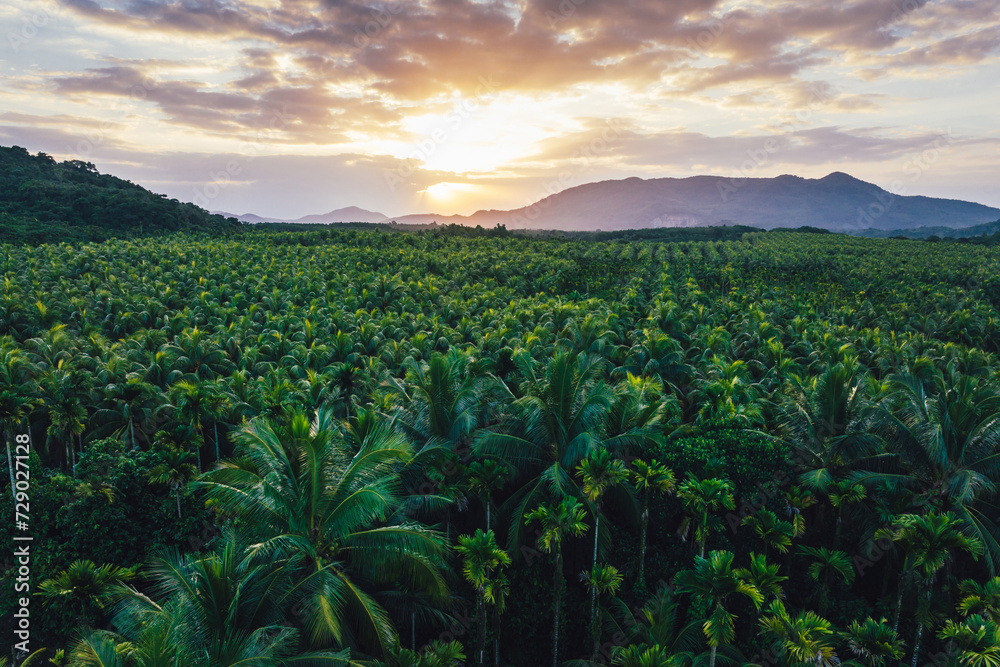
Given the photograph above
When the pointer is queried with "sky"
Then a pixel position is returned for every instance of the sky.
(291, 107)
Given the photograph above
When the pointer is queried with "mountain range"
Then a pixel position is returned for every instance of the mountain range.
(348, 214)
(837, 202)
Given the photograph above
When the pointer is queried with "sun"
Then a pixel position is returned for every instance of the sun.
(448, 192)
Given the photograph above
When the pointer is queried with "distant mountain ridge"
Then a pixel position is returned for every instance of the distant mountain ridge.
(347, 214)
(837, 202)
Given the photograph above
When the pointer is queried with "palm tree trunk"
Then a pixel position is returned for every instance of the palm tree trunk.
(593, 591)
(496, 636)
(916, 644)
(216, 427)
(555, 613)
(711, 656)
(131, 428)
(920, 626)
(413, 630)
(642, 542)
(481, 640)
(704, 534)
(177, 495)
(487, 513)
(202, 434)
(899, 600)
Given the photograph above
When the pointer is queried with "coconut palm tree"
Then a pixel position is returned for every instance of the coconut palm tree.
(556, 523)
(712, 582)
(226, 608)
(553, 427)
(659, 623)
(482, 562)
(175, 471)
(193, 402)
(441, 397)
(830, 421)
(948, 442)
(16, 403)
(435, 654)
(130, 402)
(85, 586)
(700, 499)
(649, 478)
(330, 511)
(930, 542)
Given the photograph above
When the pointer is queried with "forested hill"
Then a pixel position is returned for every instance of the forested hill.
(45, 201)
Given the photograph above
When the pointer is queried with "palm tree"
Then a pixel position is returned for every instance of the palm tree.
(435, 654)
(62, 390)
(194, 402)
(712, 581)
(843, 494)
(483, 560)
(486, 478)
(948, 441)
(829, 420)
(982, 599)
(175, 471)
(557, 522)
(771, 530)
(85, 585)
(134, 400)
(226, 608)
(497, 593)
(649, 478)
(828, 563)
(441, 397)
(930, 541)
(977, 638)
(552, 428)
(659, 624)
(15, 405)
(763, 576)
(700, 499)
(598, 473)
(796, 500)
(806, 638)
(330, 511)
(601, 580)
(874, 642)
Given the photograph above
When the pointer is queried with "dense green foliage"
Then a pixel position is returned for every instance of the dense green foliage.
(44, 201)
(354, 446)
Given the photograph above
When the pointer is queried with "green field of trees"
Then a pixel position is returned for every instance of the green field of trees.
(340, 447)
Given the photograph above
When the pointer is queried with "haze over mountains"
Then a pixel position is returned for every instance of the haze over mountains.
(348, 214)
(838, 202)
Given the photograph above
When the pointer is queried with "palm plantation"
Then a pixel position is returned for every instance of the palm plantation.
(345, 446)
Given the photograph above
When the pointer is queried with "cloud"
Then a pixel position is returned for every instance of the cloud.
(691, 84)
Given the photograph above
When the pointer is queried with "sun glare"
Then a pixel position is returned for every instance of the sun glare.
(448, 192)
